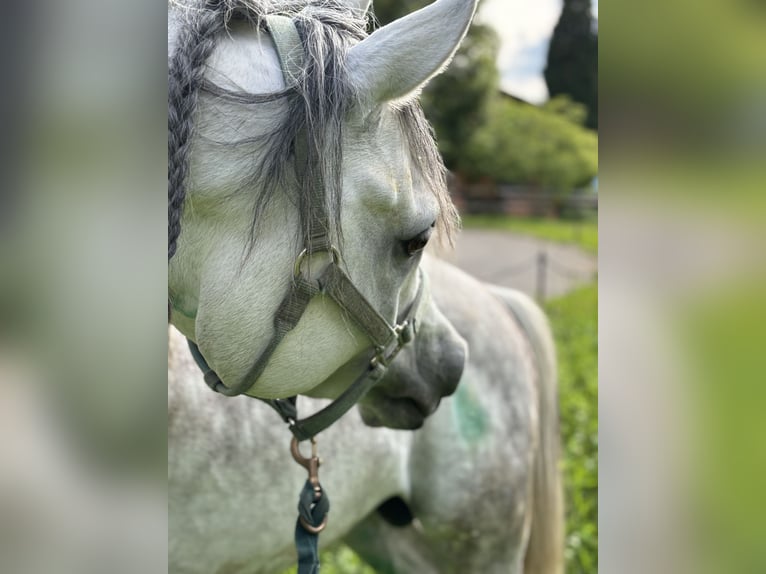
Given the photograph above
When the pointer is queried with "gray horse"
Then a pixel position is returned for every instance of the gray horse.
(479, 478)
(476, 488)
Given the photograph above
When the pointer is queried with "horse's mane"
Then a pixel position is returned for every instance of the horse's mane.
(318, 107)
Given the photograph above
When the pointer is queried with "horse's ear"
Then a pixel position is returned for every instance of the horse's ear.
(397, 60)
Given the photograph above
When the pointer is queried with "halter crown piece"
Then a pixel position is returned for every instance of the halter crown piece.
(387, 340)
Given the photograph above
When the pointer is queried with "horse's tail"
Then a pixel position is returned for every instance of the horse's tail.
(546, 539)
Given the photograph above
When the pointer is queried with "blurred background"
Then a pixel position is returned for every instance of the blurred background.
(679, 192)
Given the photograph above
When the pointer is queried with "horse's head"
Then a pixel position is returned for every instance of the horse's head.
(343, 133)
(425, 371)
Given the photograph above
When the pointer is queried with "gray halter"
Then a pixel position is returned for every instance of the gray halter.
(387, 340)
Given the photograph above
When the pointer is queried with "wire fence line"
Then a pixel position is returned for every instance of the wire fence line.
(517, 268)
(542, 264)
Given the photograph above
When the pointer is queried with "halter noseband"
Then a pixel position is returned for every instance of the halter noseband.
(387, 340)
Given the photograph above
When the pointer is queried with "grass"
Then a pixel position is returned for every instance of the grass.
(584, 234)
(574, 319)
(339, 559)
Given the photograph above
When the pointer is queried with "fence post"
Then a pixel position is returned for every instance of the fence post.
(542, 264)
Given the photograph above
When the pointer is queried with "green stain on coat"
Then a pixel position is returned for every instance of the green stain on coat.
(471, 416)
(188, 311)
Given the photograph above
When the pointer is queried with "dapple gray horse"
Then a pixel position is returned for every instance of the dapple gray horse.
(480, 476)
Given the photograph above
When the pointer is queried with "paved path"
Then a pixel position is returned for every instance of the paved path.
(511, 260)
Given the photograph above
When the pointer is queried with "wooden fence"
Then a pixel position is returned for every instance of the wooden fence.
(522, 201)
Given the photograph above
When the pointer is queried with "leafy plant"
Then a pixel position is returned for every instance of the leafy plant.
(575, 327)
(521, 143)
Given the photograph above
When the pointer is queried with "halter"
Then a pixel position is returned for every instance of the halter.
(332, 281)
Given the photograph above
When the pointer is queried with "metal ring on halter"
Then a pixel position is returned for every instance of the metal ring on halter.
(332, 250)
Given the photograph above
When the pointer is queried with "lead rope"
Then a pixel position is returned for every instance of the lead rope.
(313, 506)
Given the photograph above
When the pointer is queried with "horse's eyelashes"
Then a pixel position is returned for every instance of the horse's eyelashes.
(416, 244)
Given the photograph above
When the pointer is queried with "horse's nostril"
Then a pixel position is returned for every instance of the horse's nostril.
(421, 406)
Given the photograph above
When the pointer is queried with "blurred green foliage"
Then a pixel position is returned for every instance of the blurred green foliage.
(484, 134)
(723, 330)
(682, 71)
(574, 319)
(542, 146)
(459, 101)
(584, 234)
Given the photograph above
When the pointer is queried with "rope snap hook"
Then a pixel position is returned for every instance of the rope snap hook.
(312, 466)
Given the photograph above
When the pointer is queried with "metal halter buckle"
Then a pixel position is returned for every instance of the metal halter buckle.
(384, 355)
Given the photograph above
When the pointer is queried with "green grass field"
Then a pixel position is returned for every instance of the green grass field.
(574, 319)
(581, 233)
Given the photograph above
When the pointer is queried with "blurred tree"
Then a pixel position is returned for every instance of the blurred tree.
(456, 101)
(483, 134)
(563, 106)
(572, 67)
(541, 146)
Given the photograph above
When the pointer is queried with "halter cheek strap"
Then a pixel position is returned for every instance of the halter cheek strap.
(387, 342)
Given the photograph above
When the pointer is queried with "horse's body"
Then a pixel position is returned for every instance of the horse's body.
(467, 475)
(291, 131)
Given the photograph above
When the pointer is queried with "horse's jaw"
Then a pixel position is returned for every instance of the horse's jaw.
(310, 354)
(307, 357)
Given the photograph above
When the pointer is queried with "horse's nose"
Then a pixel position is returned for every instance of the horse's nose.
(451, 369)
(438, 382)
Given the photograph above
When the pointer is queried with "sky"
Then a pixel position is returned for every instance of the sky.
(525, 28)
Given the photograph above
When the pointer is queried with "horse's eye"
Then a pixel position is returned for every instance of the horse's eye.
(416, 244)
